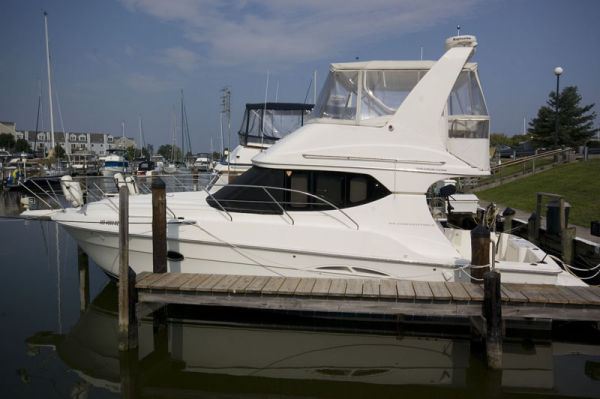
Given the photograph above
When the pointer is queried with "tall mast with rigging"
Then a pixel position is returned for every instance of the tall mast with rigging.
(49, 80)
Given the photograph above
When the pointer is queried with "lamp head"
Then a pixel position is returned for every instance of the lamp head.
(558, 71)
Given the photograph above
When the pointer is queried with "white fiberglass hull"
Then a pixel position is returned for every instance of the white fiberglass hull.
(202, 239)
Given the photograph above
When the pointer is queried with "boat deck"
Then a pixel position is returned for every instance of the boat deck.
(367, 296)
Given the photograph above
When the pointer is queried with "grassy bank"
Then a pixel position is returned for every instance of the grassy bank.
(578, 182)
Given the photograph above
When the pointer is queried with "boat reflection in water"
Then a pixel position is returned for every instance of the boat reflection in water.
(197, 357)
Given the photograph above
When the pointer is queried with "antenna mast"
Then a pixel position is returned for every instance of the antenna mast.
(49, 80)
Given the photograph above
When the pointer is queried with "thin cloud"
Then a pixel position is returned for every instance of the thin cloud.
(149, 84)
(179, 57)
(278, 31)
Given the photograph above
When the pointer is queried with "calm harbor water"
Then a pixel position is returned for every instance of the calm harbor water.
(52, 348)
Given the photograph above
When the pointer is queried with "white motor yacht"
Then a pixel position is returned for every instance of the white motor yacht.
(342, 196)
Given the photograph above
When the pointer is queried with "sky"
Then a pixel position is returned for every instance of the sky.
(116, 61)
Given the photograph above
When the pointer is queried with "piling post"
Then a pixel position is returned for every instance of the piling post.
(195, 178)
(84, 279)
(508, 214)
(480, 252)
(567, 237)
(531, 228)
(492, 311)
(159, 226)
(127, 294)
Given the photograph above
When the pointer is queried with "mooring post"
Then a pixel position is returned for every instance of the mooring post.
(129, 370)
(127, 295)
(195, 178)
(84, 279)
(508, 214)
(159, 226)
(538, 219)
(567, 243)
(531, 223)
(492, 311)
(480, 252)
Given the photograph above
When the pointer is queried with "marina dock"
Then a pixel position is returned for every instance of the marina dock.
(367, 297)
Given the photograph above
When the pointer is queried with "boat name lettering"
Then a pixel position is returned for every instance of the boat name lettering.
(110, 222)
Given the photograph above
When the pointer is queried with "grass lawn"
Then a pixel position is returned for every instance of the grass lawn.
(578, 182)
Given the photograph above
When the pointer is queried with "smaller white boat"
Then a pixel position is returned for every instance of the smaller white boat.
(262, 126)
(115, 162)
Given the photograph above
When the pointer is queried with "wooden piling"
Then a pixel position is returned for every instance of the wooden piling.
(567, 240)
(128, 334)
(480, 252)
(531, 228)
(159, 226)
(195, 178)
(508, 214)
(492, 311)
(84, 279)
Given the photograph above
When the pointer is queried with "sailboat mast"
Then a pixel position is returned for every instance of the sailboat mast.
(182, 134)
(49, 80)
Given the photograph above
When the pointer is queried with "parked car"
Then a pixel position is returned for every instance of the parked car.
(505, 151)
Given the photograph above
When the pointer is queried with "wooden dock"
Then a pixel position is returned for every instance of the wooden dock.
(367, 296)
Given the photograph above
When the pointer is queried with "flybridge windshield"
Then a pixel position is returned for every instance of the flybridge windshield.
(364, 94)
(268, 122)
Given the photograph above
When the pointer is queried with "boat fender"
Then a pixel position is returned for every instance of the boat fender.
(71, 190)
(131, 185)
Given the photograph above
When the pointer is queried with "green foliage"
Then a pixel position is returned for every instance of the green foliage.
(59, 152)
(499, 139)
(7, 141)
(21, 145)
(577, 181)
(575, 122)
(169, 152)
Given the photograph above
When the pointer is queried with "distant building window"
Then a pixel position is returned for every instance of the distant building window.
(73, 137)
(109, 139)
(82, 138)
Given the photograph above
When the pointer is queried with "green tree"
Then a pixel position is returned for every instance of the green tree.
(575, 122)
(59, 152)
(21, 145)
(169, 152)
(7, 141)
(499, 139)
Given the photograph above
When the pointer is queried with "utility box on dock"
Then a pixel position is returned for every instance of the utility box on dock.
(595, 228)
(553, 216)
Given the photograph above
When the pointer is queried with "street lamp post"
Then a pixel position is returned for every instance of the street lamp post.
(557, 72)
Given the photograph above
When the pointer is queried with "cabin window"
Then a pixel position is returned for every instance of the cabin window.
(296, 190)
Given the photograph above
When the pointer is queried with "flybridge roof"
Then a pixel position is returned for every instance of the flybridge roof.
(391, 65)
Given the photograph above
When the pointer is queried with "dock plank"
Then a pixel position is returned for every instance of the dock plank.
(241, 284)
(512, 293)
(164, 280)
(405, 289)
(141, 276)
(422, 290)
(178, 281)
(145, 283)
(191, 284)
(371, 288)
(533, 293)
(305, 286)
(224, 284)
(457, 291)
(474, 290)
(354, 287)
(257, 284)
(387, 289)
(289, 285)
(321, 286)
(207, 284)
(272, 285)
(571, 296)
(439, 291)
(585, 293)
(337, 287)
